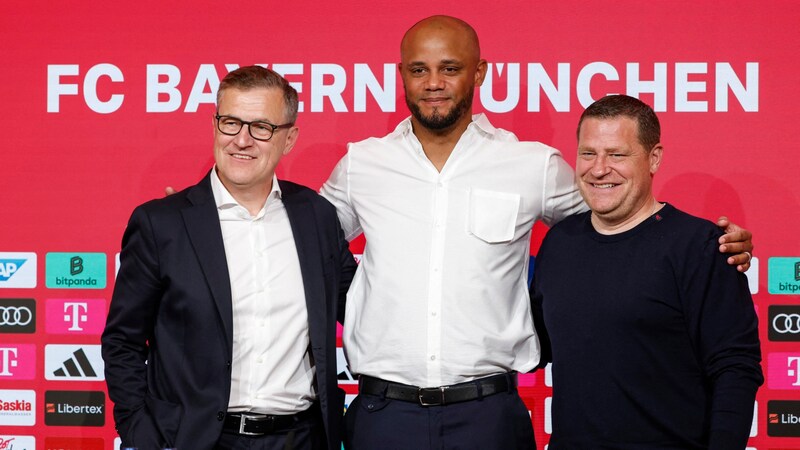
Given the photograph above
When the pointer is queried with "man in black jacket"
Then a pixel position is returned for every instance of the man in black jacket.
(221, 329)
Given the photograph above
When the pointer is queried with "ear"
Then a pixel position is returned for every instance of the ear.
(480, 73)
(655, 158)
(291, 139)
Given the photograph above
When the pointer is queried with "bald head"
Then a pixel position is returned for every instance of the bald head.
(449, 28)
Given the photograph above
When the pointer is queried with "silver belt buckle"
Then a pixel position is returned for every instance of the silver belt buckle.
(242, 421)
(422, 391)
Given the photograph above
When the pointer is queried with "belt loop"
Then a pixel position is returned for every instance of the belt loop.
(510, 381)
(384, 390)
(479, 385)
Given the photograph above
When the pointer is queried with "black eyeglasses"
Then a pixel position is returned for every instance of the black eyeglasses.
(258, 129)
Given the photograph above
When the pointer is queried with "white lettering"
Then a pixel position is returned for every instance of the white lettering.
(747, 94)
(658, 86)
(206, 76)
(54, 87)
(683, 87)
(364, 79)
(90, 88)
(333, 91)
(557, 94)
(169, 88)
(512, 90)
(585, 76)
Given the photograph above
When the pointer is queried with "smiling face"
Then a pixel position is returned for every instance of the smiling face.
(440, 67)
(245, 165)
(615, 172)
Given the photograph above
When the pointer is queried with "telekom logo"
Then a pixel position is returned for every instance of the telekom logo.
(784, 371)
(8, 360)
(794, 369)
(18, 362)
(75, 313)
(75, 316)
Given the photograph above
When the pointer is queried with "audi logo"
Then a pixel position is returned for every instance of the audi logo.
(785, 323)
(15, 315)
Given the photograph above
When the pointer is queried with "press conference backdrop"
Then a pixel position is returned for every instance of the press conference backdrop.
(105, 104)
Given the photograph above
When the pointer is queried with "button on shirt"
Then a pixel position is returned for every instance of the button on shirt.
(441, 296)
(271, 367)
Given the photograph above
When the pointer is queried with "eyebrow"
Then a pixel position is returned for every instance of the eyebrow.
(455, 62)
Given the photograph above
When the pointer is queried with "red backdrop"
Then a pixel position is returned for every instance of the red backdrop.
(107, 104)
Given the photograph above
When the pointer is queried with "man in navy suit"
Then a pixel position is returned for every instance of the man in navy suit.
(221, 330)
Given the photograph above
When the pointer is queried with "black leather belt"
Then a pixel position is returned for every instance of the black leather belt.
(442, 395)
(251, 424)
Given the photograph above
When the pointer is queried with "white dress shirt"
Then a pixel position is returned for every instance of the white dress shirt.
(271, 368)
(441, 295)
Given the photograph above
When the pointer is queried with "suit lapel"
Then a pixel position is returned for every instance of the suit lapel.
(202, 225)
(304, 228)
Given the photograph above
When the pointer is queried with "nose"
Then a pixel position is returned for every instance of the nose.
(600, 166)
(243, 139)
(435, 81)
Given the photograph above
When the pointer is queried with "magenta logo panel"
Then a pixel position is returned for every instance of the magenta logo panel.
(784, 371)
(75, 316)
(17, 362)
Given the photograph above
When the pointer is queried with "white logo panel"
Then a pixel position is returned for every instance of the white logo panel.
(73, 363)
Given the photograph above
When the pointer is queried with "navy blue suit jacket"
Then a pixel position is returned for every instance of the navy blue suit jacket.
(167, 344)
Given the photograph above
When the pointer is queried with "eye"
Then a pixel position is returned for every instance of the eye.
(260, 126)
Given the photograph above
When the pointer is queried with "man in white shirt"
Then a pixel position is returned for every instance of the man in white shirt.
(438, 319)
(222, 328)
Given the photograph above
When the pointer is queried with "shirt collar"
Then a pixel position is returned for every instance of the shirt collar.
(224, 199)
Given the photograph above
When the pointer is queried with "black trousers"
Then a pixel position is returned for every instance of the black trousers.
(500, 421)
(305, 435)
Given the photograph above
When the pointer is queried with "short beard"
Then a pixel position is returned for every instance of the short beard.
(437, 121)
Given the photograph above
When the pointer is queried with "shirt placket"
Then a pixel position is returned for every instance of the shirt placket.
(260, 267)
(434, 313)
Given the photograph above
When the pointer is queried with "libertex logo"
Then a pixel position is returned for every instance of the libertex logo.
(17, 408)
(783, 418)
(17, 362)
(75, 316)
(17, 270)
(75, 408)
(73, 363)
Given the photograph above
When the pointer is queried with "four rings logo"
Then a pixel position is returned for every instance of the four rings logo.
(784, 323)
(17, 315)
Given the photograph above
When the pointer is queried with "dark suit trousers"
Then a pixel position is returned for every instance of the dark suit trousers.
(499, 421)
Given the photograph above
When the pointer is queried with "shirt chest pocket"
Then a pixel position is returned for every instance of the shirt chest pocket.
(492, 216)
